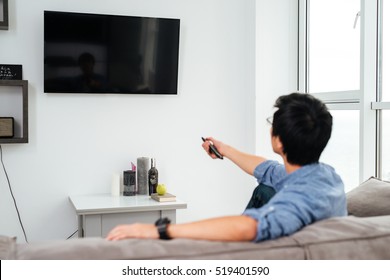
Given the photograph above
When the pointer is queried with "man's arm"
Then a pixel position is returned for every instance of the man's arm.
(246, 162)
(230, 228)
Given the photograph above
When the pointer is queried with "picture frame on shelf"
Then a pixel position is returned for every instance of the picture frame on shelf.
(3, 14)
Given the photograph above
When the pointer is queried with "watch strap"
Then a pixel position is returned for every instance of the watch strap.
(162, 225)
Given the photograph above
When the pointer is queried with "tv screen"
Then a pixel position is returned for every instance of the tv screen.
(91, 53)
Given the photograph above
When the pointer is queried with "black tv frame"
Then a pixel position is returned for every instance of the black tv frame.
(161, 50)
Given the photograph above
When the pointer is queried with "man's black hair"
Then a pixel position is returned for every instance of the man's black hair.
(304, 126)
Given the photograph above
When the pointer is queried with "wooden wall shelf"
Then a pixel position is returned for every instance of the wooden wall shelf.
(15, 104)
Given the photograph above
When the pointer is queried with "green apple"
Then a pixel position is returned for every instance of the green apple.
(161, 189)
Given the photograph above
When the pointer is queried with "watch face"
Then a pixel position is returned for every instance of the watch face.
(162, 227)
(163, 221)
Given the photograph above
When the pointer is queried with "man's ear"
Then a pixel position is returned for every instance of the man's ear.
(278, 145)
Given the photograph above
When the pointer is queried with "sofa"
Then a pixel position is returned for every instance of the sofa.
(363, 234)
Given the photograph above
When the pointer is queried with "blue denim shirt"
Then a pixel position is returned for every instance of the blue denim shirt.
(311, 193)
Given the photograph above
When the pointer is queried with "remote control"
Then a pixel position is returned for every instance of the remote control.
(213, 149)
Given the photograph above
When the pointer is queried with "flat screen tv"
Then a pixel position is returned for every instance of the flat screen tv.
(95, 53)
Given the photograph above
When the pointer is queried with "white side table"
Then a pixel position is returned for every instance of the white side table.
(97, 214)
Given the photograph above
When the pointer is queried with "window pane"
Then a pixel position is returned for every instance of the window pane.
(342, 151)
(386, 52)
(334, 43)
(385, 145)
(385, 92)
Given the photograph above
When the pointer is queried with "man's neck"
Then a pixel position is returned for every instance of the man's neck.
(290, 168)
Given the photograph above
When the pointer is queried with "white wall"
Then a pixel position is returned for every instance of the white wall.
(78, 141)
(228, 81)
(276, 62)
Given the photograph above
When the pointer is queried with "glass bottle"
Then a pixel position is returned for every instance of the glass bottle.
(153, 177)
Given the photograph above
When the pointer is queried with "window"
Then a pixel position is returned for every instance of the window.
(334, 45)
(331, 66)
(385, 52)
(385, 145)
(385, 91)
(345, 61)
(342, 151)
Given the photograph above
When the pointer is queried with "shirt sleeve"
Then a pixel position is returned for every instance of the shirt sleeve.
(292, 209)
(276, 220)
(269, 172)
(309, 194)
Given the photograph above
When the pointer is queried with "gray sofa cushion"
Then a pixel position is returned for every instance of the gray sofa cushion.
(371, 198)
(98, 248)
(336, 238)
(347, 238)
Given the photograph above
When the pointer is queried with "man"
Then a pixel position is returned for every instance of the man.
(306, 190)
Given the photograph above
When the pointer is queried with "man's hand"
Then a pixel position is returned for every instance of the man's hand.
(217, 144)
(133, 231)
(246, 162)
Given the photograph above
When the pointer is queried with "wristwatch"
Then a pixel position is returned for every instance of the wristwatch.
(162, 225)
